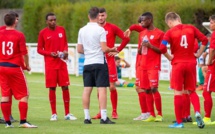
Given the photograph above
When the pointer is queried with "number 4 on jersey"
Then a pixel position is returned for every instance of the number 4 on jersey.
(184, 41)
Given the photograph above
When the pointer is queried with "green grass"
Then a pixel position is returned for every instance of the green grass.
(39, 112)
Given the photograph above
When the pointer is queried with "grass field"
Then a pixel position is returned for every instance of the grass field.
(128, 108)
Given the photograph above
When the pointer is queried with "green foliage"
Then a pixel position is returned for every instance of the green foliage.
(72, 14)
(11, 3)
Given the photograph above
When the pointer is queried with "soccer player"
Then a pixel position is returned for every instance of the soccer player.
(112, 31)
(52, 44)
(2, 28)
(92, 43)
(150, 40)
(121, 82)
(141, 93)
(181, 38)
(209, 85)
(12, 79)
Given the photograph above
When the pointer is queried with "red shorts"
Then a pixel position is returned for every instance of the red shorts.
(149, 78)
(183, 76)
(56, 77)
(209, 84)
(13, 82)
(137, 82)
(112, 69)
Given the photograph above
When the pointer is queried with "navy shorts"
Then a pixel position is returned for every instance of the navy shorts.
(96, 75)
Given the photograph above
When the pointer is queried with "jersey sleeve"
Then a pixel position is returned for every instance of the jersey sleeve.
(165, 41)
(212, 43)
(65, 41)
(120, 34)
(40, 45)
(22, 44)
(200, 36)
(103, 35)
(136, 27)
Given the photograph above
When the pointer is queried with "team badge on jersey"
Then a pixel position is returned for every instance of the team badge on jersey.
(152, 37)
(60, 35)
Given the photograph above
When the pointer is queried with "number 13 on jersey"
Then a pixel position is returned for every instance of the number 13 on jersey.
(183, 42)
(7, 48)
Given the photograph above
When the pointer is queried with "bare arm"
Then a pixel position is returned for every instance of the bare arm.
(168, 56)
(211, 56)
(126, 63)
(26, 61)
(201, 50)
(106, 49)
(80, 49)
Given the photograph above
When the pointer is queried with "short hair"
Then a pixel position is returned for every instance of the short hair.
(102, 10)
(9, 19)
(49, 14)
(139, 19)
(208, 35)
(117, 58)
(12, 12)
(172, 16)
(212, 17)
(148, 15)
(93, 12)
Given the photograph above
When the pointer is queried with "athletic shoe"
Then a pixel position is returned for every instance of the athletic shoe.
(200, 122)
(70, 117)
(208, 121)
(87, 121)
(53, 117)
(2, 121)
(142, 117)
(98, 116)
(159, 118)
(150, 119)
(200, 87)
(107, 121)
(114, 115)
(184, 120)
(12, 119)
(176, 125)
(189, 119)
(26, 125)
(9, 126)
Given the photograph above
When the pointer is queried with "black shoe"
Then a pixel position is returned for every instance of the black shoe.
(107, 121)
(87, 121)
(189, 119)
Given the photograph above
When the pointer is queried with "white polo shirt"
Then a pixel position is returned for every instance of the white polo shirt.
(90, 37)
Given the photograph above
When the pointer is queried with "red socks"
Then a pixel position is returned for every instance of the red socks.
(150, 103)
(178, 104)
(52, 101)
(142, 102)
(157, 100)
(186, 106)
(114, 99)
(208, 103)
(66, 100)
(23, 109)
(195, 101)
(6, 108)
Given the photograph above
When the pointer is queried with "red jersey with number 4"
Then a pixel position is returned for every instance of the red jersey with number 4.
(52, 41)
(12, 46)
(182, 42)
(151, 59)
(111, 32)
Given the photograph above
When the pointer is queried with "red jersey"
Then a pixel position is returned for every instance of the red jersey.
(2, 27)
(151, 59)
(136, 27)
(182, 42)
(112, 31)
(52, 41)
(13, 46)
(211, 68)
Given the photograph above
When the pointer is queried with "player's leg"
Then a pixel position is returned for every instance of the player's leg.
(86, 104)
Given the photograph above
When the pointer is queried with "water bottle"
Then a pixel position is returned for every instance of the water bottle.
(60, 55)
(144, 48)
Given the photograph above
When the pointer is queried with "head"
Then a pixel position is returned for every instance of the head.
(208, 36)
(146, 19)
(10, 19)
(17, 17)
(93, 13)
(102, 16)
(139, 20)
(117, 61)
(172, 19)
(51, 20)
(212, 22)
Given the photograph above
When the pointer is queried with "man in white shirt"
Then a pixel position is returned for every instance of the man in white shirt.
(92, 43)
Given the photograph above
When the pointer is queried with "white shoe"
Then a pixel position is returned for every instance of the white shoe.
(142, 117)
(27, 125)
(53, 117)
(9, 126)
(70, 117)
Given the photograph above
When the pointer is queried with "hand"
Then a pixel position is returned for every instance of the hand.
(112, 53)
(210, 62)
(146, 44)
(127, 33)
(28, 68)
(65, 57)
(53, 54)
